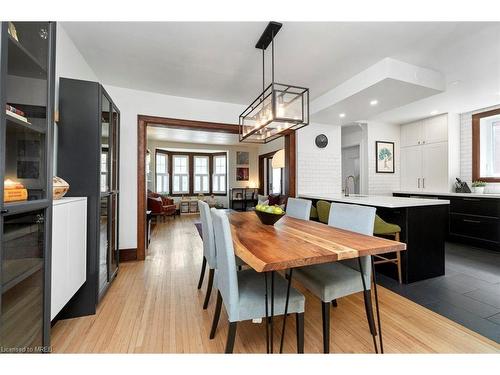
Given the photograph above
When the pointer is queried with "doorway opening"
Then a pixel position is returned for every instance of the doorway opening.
(145, 177)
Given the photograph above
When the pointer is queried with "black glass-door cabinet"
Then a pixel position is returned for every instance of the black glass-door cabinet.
(27, 56)
(88, 159)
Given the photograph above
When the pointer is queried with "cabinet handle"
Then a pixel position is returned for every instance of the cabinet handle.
(423, 183)
(418, 179)
(471, 221)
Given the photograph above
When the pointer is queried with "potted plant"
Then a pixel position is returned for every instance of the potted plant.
(478, 187)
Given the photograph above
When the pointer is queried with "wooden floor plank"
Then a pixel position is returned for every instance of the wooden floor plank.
(155, 307)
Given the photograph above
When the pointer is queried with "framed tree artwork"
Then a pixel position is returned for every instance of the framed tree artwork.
(385, 157)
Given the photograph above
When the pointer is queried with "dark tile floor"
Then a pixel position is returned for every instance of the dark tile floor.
(468, 294)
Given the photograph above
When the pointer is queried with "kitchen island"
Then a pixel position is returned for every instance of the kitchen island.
(423, 225)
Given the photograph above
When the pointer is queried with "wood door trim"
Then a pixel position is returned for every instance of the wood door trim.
(142, 123)
(476, 147)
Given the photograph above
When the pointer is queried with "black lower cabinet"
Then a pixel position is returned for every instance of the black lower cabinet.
(471, 220)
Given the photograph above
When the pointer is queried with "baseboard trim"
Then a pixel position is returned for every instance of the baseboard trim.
(127, 255)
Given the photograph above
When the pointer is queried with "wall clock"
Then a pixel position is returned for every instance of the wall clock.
(321, 141)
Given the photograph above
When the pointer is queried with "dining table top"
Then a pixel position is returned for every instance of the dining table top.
(291, 242)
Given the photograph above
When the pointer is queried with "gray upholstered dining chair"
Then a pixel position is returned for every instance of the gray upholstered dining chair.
(209, 253)
(298, 208)
(243, 293)
(331, 281)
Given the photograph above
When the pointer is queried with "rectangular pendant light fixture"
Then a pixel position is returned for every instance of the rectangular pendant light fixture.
(280, 108)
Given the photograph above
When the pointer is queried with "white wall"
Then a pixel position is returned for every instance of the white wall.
(319, 170)
(135, 102)
(383, 183)
(231, 152)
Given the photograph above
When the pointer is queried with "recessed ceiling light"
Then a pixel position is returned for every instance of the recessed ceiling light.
(374, 102)
(435, 112)
(342, 115)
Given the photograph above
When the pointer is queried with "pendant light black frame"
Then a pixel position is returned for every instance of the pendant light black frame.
(270, 94)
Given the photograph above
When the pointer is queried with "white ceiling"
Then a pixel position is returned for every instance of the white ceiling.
(158, 133)
(218, 61)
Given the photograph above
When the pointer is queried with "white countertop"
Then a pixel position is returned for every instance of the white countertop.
(379, 200)
(449, 194)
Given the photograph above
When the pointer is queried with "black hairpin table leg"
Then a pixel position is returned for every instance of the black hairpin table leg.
(376, 306)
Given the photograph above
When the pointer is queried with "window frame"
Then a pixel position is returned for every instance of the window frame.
(476, 145)
(169, 179)
(190, 156)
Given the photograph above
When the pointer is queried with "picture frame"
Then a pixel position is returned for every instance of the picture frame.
(384, 157)
(242, 174)
(242, 158)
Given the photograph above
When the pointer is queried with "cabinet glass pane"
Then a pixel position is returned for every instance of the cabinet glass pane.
(26, 111)
(103, 243)
(21, 323)
(105, 145)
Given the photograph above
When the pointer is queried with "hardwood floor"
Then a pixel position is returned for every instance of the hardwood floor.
(154, 307)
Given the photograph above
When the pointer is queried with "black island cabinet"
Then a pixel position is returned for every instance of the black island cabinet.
(27, 56)
(88, 159)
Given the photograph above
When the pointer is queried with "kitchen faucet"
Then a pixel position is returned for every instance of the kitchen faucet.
(346, 189)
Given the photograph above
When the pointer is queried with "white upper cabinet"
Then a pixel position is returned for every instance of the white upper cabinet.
(435, 129)
(411, 134)
(429, 130)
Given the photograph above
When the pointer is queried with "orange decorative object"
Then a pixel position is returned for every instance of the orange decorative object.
(14, 191)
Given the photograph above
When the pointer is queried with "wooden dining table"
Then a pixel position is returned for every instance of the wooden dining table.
(292, 243)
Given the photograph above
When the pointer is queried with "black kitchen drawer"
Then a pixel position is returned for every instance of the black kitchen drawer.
(482, 228)
(475, 206)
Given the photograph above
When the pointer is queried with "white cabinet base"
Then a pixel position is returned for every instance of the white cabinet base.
(69, 250)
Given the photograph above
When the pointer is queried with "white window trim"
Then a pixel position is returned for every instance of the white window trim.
(218, 175)
(201, 175)
(174, 174)
(166, 174)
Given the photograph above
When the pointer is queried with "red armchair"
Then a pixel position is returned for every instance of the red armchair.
(161, 206)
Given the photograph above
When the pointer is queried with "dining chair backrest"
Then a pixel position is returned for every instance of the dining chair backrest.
(227, 279)
(298, 208)
(323, 208)
(355, 218)
(207, 230)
